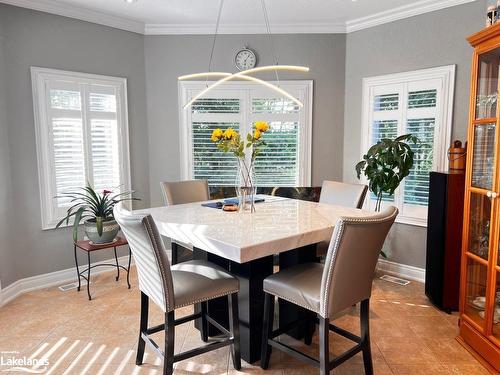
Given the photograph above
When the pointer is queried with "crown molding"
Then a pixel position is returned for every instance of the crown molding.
(405, 11)
(71, 11)
(276, 28)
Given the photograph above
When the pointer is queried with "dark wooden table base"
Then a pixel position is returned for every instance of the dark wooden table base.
(251, 298)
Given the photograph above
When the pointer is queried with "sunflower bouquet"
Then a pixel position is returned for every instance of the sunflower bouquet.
(231, 141)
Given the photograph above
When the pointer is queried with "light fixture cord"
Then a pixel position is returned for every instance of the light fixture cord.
(215, 39)
(270, 36)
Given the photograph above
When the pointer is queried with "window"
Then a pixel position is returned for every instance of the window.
(421, 103)
(286, 159)
(81, 133)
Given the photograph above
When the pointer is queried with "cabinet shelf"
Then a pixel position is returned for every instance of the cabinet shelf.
(477, 258)
(486, 120)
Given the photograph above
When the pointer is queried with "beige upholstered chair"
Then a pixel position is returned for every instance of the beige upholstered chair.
(345, 279)
(340, 194)
(343, 194)
(181, 192)
(174, 287)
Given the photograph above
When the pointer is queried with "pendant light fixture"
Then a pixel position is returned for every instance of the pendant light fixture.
(245, 74)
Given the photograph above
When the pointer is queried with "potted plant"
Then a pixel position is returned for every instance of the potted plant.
(386, 164)
(97, 208)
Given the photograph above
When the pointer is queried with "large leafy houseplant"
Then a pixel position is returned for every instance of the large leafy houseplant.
(93, 206)
(386, 164)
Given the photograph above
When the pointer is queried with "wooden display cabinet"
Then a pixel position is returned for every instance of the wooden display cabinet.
(480, 272)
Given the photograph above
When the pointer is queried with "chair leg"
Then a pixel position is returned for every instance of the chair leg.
(234, 327)
(267, 328)
(365, 336)
(308, 336)
(168, 361)
(142, 328)
(204, 323)
(324, 347)
(175, 251)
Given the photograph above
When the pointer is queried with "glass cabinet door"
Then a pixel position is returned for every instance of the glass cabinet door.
(481, 192)
(487, 84)
(483, 158)
(475, 292)
(479, 225)
(478, 254)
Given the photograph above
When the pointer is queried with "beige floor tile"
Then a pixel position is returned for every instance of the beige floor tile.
(469, 369)
(418, 369)
(433, 327)
(409, 335)
(17, 344)
(215, 362)
(356, 369)
(449, 351)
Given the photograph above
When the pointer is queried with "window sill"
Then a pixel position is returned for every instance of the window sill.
(418, 222)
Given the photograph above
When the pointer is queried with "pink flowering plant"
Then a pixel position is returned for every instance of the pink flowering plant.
(86, 203)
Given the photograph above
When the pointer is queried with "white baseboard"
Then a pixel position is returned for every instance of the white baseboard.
(47, 280)
(401, 270)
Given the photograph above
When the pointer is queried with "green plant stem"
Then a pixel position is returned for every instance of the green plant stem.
(379, 202)
(245, 171)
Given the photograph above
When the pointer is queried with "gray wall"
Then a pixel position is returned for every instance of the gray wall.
(151, 64)
(39, 39)
(425, 41)
(6, 251)
(167, 57)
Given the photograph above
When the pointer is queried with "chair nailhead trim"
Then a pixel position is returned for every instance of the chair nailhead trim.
(291, 300)
(207, 298)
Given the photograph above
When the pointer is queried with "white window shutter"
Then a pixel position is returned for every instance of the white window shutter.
(285, 161)
(82, 136)
(65, 119)
(414, 103)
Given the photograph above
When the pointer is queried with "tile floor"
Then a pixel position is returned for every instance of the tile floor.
(78, 336)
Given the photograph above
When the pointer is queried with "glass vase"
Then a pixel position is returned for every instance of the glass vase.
(245, 186)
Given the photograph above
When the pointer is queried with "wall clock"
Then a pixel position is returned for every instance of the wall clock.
(245, 59)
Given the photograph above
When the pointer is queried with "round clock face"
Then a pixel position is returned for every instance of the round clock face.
(245, 59)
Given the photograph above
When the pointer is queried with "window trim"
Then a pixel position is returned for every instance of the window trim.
(446, 74)
(305, 141)
(39, 78)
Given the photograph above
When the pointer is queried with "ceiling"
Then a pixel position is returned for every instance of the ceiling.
(238, 16)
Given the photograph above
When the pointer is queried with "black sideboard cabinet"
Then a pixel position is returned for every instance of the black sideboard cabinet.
(444, 239)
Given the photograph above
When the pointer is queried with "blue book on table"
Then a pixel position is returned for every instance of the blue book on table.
(234, 200)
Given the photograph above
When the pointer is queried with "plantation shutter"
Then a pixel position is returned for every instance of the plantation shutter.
(386, 109)
(66, 119)
(408, 108)
(81, 136)
(104, 138)
(278, 163)
(282, 162)
(420, 121)
(208, 114)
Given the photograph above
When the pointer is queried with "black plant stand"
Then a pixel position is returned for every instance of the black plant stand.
(88, 247)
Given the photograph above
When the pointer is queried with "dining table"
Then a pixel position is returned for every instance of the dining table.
(281, 233)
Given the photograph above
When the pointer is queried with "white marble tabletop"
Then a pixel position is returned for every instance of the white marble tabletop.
(277, 225)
